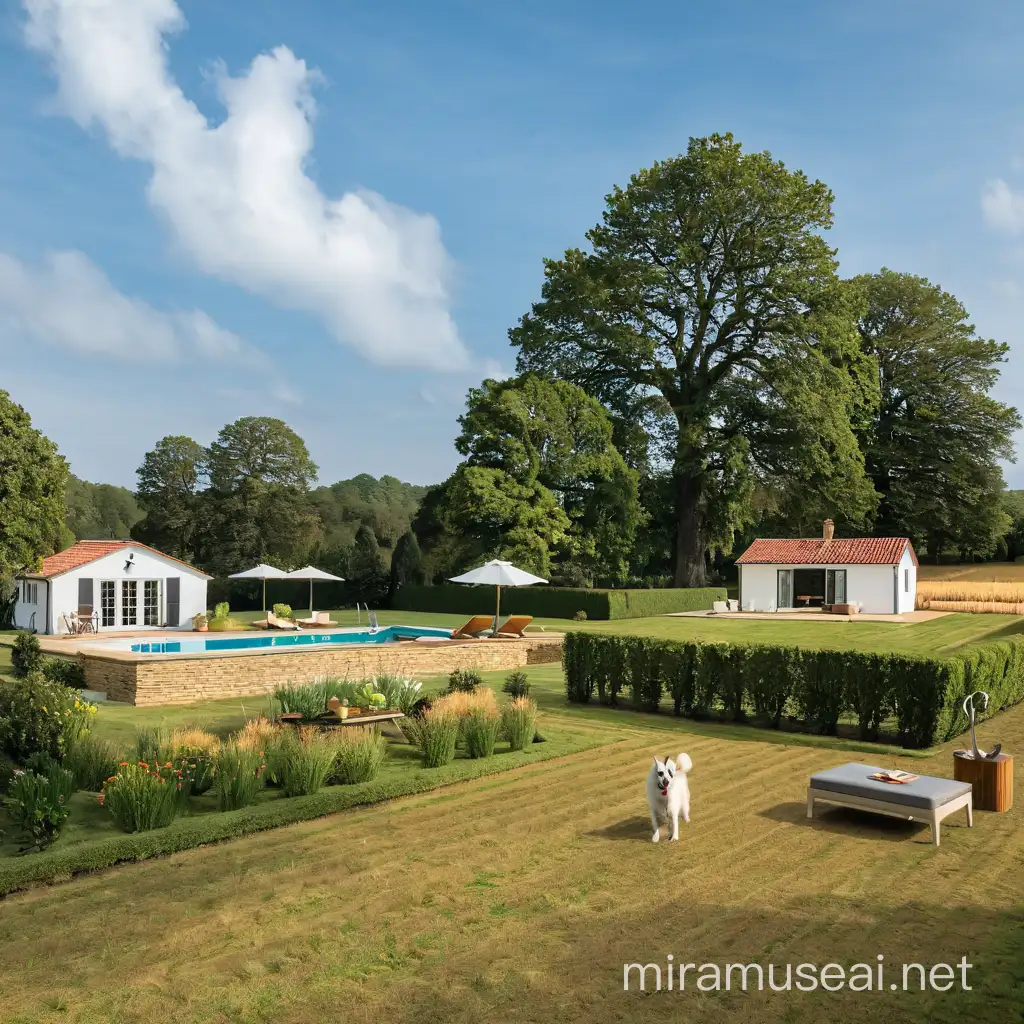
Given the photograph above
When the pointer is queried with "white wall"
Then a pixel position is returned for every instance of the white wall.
(871, 586)
(146, 565)
(907, 583)
(33, 614)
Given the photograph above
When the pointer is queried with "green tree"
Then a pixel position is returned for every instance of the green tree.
(552, 434)
(933, 446)
(33, 482)
(367, 573)
(170, 482)
(406, 564)
(710, 299)
(520, 522)
(257, 507)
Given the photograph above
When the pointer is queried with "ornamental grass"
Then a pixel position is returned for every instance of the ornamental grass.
(144, 795)
(519, 722)
(359, 754)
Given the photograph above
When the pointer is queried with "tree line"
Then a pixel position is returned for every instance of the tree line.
(699, 374)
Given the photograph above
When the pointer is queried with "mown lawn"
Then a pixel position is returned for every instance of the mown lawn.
(520, 897)
(938, 636)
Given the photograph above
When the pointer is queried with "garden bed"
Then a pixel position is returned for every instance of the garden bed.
(90, 841)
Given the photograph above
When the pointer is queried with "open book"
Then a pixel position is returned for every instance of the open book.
(894, 776)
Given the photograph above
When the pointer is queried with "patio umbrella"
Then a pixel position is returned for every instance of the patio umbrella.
(261, 572)
(498, 574)
(311, 573)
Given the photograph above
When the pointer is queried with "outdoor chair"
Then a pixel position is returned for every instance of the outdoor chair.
(472, 630)
(513, 627)
(274, 622)
(719, 607)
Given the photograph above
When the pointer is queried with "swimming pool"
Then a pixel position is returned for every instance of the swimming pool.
(276, 641)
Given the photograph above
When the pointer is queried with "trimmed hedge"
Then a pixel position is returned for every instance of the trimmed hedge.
(556, 602)
(201, 829)
(816, 687)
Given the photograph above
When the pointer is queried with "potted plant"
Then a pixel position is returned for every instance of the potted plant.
(200, 623)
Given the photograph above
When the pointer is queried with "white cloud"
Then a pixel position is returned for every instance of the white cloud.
(1003, 208)
(69, 302)
(236, 194)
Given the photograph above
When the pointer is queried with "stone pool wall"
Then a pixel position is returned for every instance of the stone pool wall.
(183, 679)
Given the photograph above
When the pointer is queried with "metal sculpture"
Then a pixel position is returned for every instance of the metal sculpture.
(976, 753)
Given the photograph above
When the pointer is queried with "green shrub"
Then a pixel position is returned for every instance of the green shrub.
(92, 760)
(221, 610)
(308, 700)
(65, 671)
(307, 761)
(557, 602)
(407, 696)
(150, 743)
(239, 776)
(480, 729)
(143, 796)
(283, 611)
(580, 616)
(517, 684)
(438, 734)
(519, 722)
(817, 687)
(38, 805)
(38, 716)
(225, 624)
(464, 680)
(26, 656)
(359, 755)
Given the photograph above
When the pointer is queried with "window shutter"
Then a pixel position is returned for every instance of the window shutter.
(85, 592)
(173, 591)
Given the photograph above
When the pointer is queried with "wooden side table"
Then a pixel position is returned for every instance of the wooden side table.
(991, 780)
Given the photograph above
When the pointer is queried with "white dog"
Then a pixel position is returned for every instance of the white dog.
(668, 793)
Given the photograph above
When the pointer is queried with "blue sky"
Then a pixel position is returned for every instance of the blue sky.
(167, 265)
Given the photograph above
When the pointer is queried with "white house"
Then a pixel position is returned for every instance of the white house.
(123, 584)
(878, 574)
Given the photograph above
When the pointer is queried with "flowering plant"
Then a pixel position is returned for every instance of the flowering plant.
(144, 795)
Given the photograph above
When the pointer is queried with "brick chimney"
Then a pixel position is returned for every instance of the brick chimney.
(829, 529)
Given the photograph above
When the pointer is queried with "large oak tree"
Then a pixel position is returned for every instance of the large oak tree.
(932, 449)
(709, 297)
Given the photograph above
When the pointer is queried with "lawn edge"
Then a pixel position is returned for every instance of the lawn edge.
(193, 832)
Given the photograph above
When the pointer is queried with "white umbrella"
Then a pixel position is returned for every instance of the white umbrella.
(311, 572)
(498, 574)
(261, 572)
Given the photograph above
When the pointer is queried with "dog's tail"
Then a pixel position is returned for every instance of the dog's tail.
(683, 763)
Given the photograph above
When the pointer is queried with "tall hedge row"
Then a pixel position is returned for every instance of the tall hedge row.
(817, 688)
(557, 602)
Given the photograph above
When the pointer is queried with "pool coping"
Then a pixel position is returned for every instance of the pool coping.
(89, 647)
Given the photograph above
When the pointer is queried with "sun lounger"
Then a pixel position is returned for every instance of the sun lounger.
(317, 621)
(472, 629)
(926, 799)
(513, 627)
(273, 622)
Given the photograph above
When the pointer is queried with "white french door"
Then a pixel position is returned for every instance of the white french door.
(784, 595)
(125, 604)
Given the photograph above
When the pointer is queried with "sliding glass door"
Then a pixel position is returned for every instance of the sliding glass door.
(784, 589)
(835, 586)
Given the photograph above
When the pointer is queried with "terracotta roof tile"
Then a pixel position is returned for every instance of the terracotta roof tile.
(838, 551)
(84, 551)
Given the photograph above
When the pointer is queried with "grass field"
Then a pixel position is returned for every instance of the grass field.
(519, 898)
(937, 636)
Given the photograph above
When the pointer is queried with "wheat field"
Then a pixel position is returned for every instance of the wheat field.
(1002, 597)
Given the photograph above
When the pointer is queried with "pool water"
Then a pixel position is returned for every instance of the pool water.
(278, 641)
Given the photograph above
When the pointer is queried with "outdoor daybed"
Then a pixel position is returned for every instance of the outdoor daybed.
(926, 799)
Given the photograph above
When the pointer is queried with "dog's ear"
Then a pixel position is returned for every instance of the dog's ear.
(655, 761)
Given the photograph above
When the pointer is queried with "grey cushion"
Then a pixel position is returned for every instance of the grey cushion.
(853, 780)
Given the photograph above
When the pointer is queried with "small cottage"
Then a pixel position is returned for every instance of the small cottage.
(110, 585)
(877, 575)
